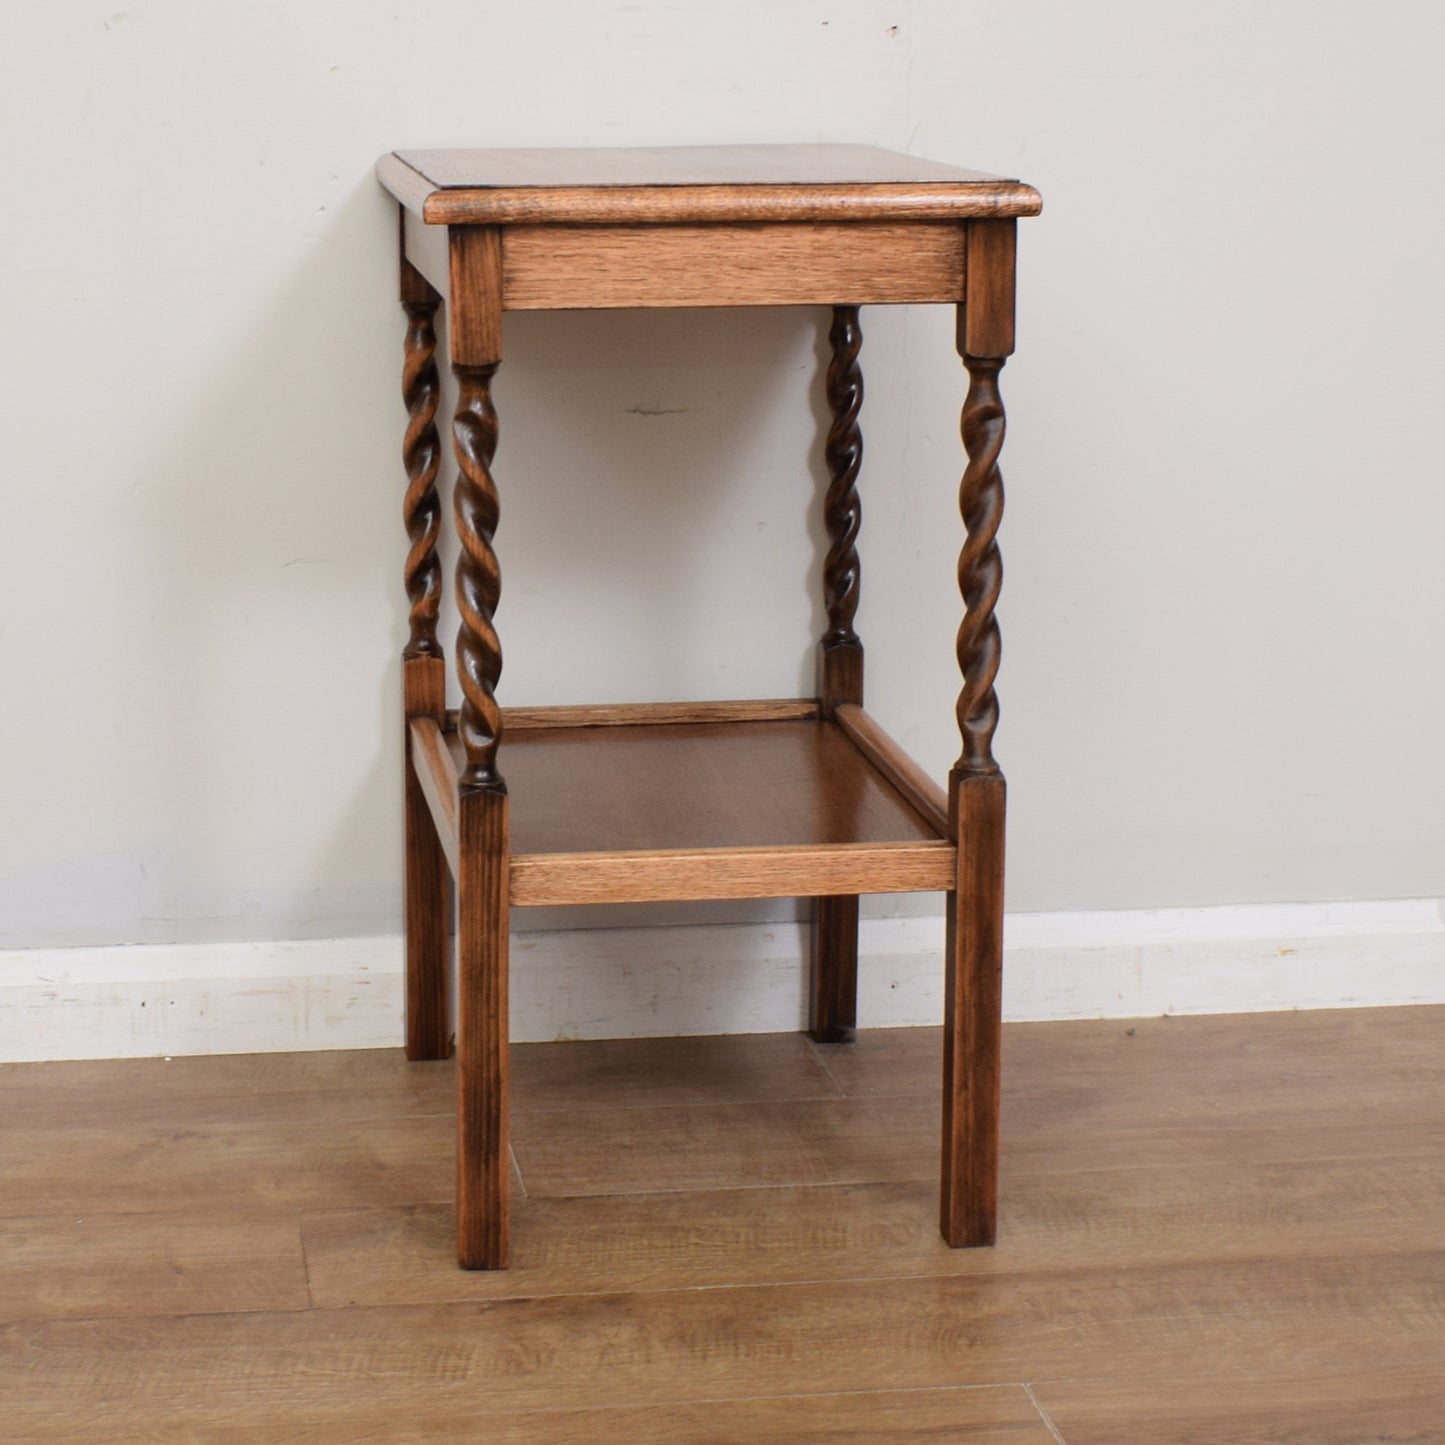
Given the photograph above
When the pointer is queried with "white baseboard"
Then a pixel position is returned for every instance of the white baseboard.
(618, 983)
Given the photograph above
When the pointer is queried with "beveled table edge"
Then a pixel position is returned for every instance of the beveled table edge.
(705, 203)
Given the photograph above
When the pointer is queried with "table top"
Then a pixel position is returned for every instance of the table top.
(693, 185)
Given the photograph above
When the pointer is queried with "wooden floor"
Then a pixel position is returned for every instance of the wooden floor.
(1215, 1230)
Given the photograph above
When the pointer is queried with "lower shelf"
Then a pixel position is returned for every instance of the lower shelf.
(637, 811)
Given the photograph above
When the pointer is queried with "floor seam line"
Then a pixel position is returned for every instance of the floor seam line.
(1044, 1414)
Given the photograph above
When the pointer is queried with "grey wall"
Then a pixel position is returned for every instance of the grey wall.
(1224, 606)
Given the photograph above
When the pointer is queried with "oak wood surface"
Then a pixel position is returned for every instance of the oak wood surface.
(698, 786)
(986, 319)
(693, 1346)
(973, 1013)
(1395, 1405)
(693, 184)
(733, 165)
(682, 874)
(483, 1052)
(1215, 1229)
(150, 1264)
(604, 813)
(686, 227)
(1118, 1217)
(785, 263)
(427, 250)
(594, 715)
(474, 295)
(833, 935)
(926, 796)
(435, 771)
(969, 1414)
(430, 846)
(217, 1090)
(635, 1073)
(840, 650)
(833, 968)
(476, 508)
(256, 1169)
(426, 895)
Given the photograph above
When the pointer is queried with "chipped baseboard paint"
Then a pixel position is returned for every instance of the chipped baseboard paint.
(748, 978)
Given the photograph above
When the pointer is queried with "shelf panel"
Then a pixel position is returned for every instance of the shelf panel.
(749, 809)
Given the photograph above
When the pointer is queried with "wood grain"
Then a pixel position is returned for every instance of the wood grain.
(406, 183)
(770, 808)
(970, 1415)
(483, 1056)
(840, 652)
(797, 870)
(923, 794)
(435, 771)
(1404, 1404)
(1211, 1229)
(986, 318)
(476, 509)
(1252, 1068)
(833, 968)
(430, 845)
(973, 1013)
(108, 1265)
(592, 1149)
(980, 568)
(252, 1169)
(694, 1346)
(427, 249)
(780, 264)
(215, 1091)
(426, 897)
(421, 456)
(636, 1073)
(693, 185)
(608, 167)
(633, 714)
(771, 784)
(474, 296)
(1077, 1217)
(833, 936)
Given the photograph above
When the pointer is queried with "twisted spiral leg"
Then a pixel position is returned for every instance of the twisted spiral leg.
(421, 451)
(479, 578)
(843, 451)
(833, 983)
(980, 568)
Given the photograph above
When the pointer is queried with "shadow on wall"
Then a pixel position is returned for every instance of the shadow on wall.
(258, 590)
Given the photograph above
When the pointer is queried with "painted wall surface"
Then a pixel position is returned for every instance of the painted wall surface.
(1224, 611)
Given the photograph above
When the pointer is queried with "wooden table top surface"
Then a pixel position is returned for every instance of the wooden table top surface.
(693, 184)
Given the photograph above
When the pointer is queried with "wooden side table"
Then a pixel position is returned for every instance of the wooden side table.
(755, 799)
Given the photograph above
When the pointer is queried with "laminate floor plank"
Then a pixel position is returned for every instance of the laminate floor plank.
(362, 1084)
(593, 1149)
(1167, 1068)
(213, 1089)
(970, 1415)
(1389, 1406)
(1095, 1220)
(100, 1266)
(242, 1168)
(1212, 1230)
(1256, 1320)
(716, 1069)
(599, 1150)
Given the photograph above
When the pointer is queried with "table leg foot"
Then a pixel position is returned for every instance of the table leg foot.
(833, 993)
(482, 1046)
